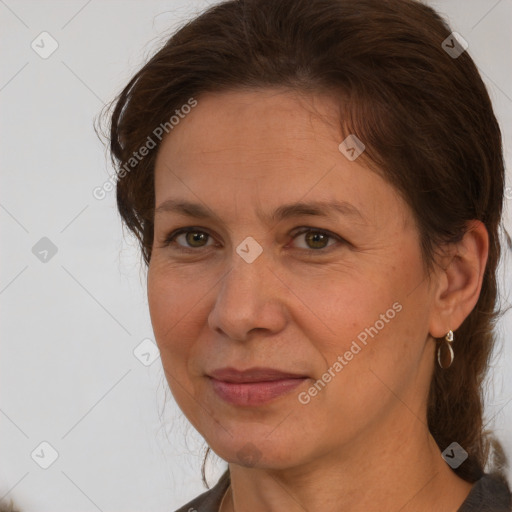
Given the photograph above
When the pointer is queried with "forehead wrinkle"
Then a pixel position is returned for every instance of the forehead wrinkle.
(312, 208)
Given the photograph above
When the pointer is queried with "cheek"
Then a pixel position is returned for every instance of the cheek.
(178, 309)
(160, 300)
(345, 308)
(381, 344)
(371, 320)
(169, 306)
(172, 317)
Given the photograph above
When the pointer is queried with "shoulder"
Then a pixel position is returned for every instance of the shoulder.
(490, 493)
(210, 500)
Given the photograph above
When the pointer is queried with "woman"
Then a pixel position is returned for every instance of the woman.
(317, 188)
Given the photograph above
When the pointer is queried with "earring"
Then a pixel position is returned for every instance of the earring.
(447, 347)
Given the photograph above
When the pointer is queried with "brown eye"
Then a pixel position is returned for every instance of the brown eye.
(188, 238)
(196, 238)
(316, 239)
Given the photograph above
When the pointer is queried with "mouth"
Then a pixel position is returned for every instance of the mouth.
(255, 386)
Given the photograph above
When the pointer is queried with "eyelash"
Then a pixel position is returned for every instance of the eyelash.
(170, 239)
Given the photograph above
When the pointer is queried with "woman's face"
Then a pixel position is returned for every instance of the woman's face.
(335, 295)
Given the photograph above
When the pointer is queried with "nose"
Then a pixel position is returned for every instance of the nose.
(249, 301)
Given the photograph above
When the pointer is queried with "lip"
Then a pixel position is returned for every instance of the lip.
(254, 386)
(254, 374)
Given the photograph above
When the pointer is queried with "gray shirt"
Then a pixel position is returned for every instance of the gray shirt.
(489, 494)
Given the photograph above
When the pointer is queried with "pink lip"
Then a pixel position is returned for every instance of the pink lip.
(254, 386)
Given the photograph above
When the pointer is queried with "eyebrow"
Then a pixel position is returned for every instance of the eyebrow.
(314, 208)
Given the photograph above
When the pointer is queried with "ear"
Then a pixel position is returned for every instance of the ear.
(459, 280)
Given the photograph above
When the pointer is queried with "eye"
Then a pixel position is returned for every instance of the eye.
(192, 238)
(317, 239)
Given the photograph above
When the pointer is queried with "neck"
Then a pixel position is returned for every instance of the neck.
(391, 472)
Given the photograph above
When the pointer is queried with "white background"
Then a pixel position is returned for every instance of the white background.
(68, 375)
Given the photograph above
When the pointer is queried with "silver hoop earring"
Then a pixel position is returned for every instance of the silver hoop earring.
(446, 347)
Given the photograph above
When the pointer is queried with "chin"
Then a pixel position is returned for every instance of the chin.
(257, 451)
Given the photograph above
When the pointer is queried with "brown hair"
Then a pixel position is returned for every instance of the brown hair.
(425, 118)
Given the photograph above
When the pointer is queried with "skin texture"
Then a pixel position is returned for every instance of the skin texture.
(362, 442)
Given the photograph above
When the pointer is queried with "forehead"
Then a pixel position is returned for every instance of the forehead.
(249, 122)
(266, 146)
